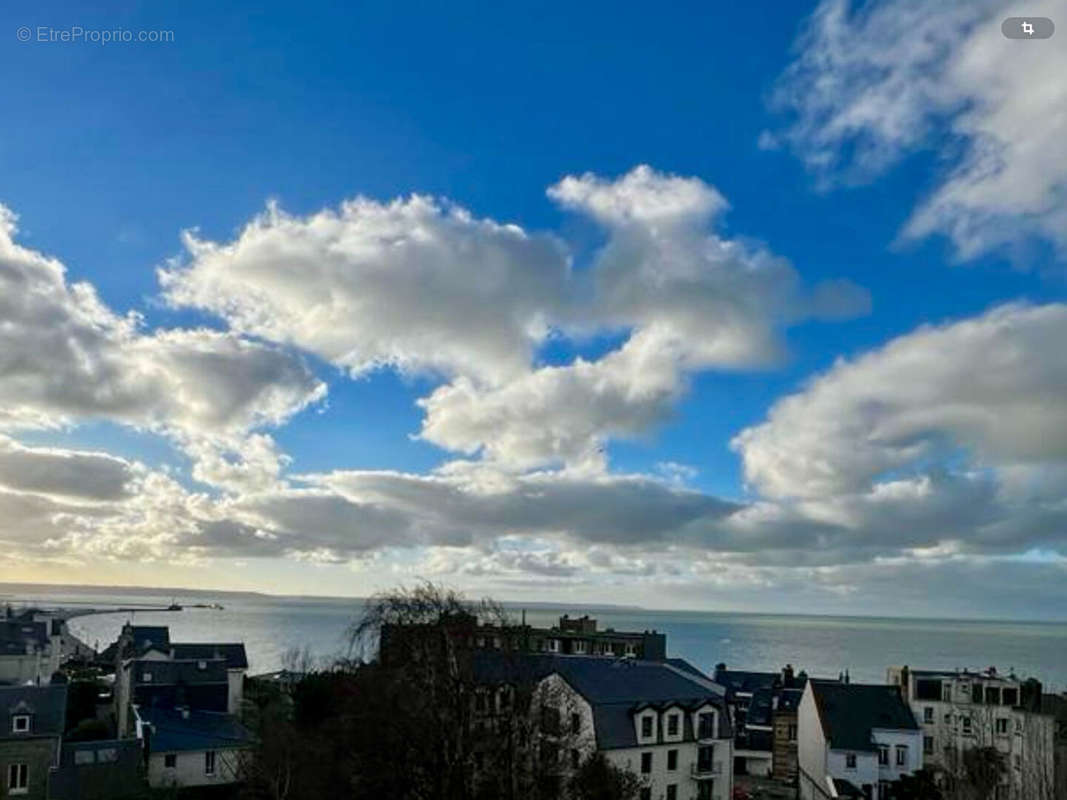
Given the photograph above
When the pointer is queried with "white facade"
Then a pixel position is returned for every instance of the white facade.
(193, 768)
(955, 723)
(699, 769)
(891, 754)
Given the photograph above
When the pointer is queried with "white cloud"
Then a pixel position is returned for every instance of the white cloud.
(874, 83)
(414, 284)
(65, 358)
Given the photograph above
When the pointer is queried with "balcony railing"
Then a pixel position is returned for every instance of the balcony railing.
(703, 770)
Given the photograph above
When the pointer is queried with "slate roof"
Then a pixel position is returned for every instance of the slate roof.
(200, 730)
(46, 705)
(849, 711)
(846, 788)
(734, 680)
(145, 635)
(761, 707)
(682, 664)
(233, 653)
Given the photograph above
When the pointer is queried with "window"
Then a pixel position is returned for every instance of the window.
(706, 726)
(170, 760)
(928, 714)
(966, 722)
(18, 778)
(883, 755)
(146, 677)
(948, 719)
(576, 757)
(209, 762)
(107, 755)
(646, 763)
(672, 791)
(883, 790)
(850, 760)
(84, 757)
(946, 692)
(902, 755)
(1010, 696)
(579, 646)
(201, 665)
(576, 723)
(792, 732)
(646, 727)
(672, 725)
(1002, 726)
(928, 745)
(20, 723)
(672, 760)
(646, 793)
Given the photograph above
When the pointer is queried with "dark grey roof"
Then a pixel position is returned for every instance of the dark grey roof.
(233, 653)
(849, 711)
(682, 664)
(761, 706)
(145, 635)
(614, 688)
(45, 705)
(734, 680)
(186, 671)
(846, 788)
(198, 730)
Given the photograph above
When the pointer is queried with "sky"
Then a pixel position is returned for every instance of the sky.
(720, 306)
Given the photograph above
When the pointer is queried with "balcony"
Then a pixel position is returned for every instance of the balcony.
(703, 770)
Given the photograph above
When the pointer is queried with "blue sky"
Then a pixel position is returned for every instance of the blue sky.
(116, 149)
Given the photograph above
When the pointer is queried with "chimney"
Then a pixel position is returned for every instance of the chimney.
(905, 682)
(787, 676)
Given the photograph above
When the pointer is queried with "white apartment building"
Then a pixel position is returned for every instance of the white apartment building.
(959, 710)
(854, 740)
(663, 721)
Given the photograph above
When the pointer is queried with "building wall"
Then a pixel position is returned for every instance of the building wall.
(38, 754)
(660, 777)
(811, 749)
(189, 769)
(22, 668)
(236, 680)
(784, 760)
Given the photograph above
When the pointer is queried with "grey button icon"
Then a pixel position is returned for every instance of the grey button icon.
(1028, 28)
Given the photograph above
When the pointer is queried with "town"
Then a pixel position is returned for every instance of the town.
(580, 710)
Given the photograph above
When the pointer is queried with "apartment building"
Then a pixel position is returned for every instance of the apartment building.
(961, 710)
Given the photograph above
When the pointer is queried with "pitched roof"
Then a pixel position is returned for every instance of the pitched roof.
(145, 635)
(789, 699)
(91, 770)
(233, 653)
(174, 731)
(45, 705)
(734, 680)
(850, 711)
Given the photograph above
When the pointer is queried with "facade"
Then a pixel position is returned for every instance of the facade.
(186, 748)
(664, 722)
(960, 710)
(32, 719)
(854, 740)
(572, 636)
(30, 648)
(784, 757)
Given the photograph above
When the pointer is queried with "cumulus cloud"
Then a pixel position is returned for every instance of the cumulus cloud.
(875, 82)
(66, 358)
(950, 434)
(689, 299)
(414, 284)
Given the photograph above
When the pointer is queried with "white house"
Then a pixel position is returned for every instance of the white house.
(191, 748)
(662, 720)
(854, 740)
(959, 710)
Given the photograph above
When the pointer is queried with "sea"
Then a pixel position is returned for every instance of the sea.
(824, 646)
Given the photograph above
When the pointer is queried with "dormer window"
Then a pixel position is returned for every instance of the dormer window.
(646, 727)
(20, 723)
(201, 665)
(672, 724)
(146, 677)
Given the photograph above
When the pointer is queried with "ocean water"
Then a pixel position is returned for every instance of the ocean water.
(822, 645)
